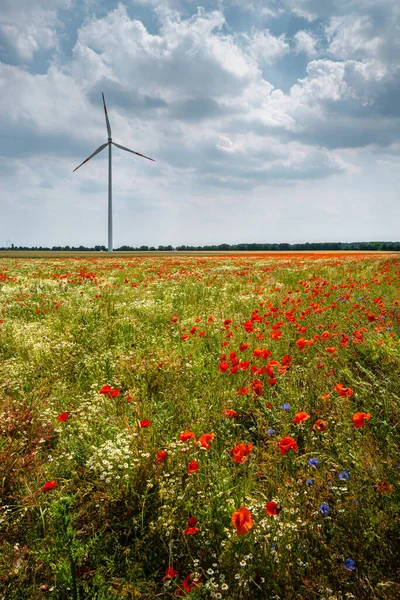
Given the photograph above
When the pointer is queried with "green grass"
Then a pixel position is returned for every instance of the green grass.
(115, 521)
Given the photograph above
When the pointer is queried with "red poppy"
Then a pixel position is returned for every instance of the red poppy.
(243, 365)
(272, 509)
(301, 343)
(161, 456)
(223, 366)
(229, 413)
(287, 443)
(257, 387)
(331, 350)
(268, 405)
(286, 360)
(360, 418)
(174, 319)
(63, 417)
(345, 392)
(184, 336)
(273, 363)
(262, 353)
(109, 391)
(144, 423)
(49, 485)
(106, 389)
(300, 417)
(384, 488)
(248, 326)
(276, 335)
(244, 347)
(191, 529)
(193, 467)
(189, 584)
(187, 435)
(170, 573)
(243, 391)
(240, 453)
(205, 439)
(320, 425)
(242, 520)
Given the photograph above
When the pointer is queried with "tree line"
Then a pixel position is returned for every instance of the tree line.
(367, 246)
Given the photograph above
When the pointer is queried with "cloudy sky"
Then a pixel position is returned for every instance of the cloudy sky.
(269, 120)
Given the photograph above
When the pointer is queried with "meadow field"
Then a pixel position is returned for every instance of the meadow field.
(200, 427)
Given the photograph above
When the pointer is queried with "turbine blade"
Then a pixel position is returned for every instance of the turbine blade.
(107, 121)
(133, 152)
(91, 156)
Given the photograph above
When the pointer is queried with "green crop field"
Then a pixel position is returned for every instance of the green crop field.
(200, 427)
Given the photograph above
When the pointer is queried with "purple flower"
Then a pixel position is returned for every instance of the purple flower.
(313, 462)
(285, 406)
(324, 509)
(349, 564)
(309, 482)
(271, 431)
(344, 475)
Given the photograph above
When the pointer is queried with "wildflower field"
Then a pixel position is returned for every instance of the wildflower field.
(220, 427)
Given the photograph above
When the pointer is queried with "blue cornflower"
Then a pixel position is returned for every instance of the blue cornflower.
(274, 547)
(324, 509)
(271, 431)
(344, 475)
(309, 482)
(285, 406)
(313, 462)
(349, 564)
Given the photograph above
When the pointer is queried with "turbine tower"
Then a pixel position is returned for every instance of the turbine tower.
(110, 225)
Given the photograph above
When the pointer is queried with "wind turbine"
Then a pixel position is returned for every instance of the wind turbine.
(110, 227)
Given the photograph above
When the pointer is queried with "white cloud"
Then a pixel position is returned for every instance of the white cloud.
(352, 36)
(265, 48)
(305, 42)
(28, 26)
(194, 94)
(53, 103)
(189, 57)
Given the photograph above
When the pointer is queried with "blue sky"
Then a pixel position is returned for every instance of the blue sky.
(270, 121)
